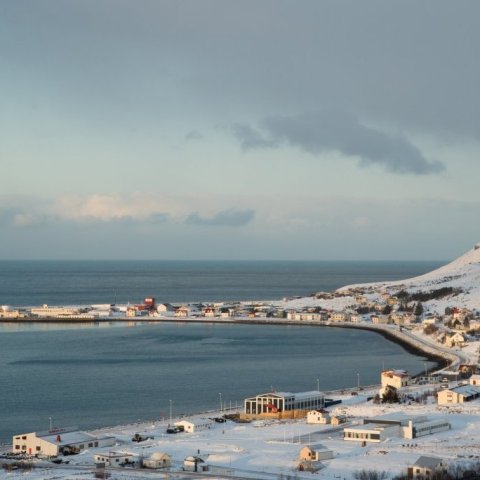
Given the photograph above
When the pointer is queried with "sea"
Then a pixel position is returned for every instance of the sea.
(94, 375)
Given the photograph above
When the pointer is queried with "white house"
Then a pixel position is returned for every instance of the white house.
(158, 460)
(317, 416)
(191, 427)
(310, 455)
(115, 459)
(370, 433)
(195, 463)
(395, 378)
(57, 442)
(475, 380)
(425, 467)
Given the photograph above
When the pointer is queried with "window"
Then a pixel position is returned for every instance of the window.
(96, 444)
(17, 447)
(90, 445)
(37, 449)
(24, 437)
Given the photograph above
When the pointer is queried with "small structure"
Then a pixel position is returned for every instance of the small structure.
(195, 463)
(307, 453)
(57, 441)
(370, 433)
(461, 394)
(115, 459)
(158, 460)
(284, 401)
(395, 378)
(318, 416)
(338, 419)
(191, 427)
(425, 467)
(475, 380)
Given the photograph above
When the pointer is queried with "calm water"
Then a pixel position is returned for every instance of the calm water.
(96, 376)
(75, 282)
(91, 376)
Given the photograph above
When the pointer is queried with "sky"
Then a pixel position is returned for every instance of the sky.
(214, 129)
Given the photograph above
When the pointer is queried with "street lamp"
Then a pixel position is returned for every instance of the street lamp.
(221, 403)
(358, 381)
(50, 418)
(170, 411)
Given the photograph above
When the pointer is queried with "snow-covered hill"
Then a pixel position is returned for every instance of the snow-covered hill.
(462, 274)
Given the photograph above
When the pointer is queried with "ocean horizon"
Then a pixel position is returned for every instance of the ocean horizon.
(78, 282)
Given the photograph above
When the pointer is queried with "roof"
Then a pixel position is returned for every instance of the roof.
(68, 438)
(428, 462)
(465, 390)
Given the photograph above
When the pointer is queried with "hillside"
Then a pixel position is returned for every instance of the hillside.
(462, 275)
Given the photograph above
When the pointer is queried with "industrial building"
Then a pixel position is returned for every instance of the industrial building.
(275, 402)
(380, 428)
(58, 441)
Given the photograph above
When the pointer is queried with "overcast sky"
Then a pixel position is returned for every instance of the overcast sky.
(239, 130)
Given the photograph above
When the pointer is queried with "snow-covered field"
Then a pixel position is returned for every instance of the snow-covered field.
(270, 449)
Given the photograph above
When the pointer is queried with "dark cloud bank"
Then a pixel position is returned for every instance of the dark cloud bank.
(320, 132)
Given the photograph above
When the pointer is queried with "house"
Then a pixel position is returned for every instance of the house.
(307, 453)
(191, 427)
(395, 378)
(318, 416)
(165, 308)
(182, 311)
(380, 319)
(370, 433)
(425, 467)
(158, 460)
(208, 312)
(57, 441)
(455, 340)
(460, 394)
(195, 463)
(475, 380)
(338, 419)
(115, 459)
(284, 401)
(339, 317)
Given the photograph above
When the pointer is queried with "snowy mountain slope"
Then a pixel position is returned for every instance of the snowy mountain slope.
(462, 274)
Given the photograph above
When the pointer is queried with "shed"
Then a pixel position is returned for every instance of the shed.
(158, 460)
(194, 463)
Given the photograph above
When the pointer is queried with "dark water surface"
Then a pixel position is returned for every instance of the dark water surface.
(85, 282)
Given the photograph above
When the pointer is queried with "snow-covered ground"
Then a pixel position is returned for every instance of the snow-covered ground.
(270, 449)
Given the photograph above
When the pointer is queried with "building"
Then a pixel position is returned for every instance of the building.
(461, 394)
(377, 429)
(195, 463)
(191, 427)
(158, 460)
(284, 401)
(308, 454)
(46, 311)
(115, 459)
(475, 380)
(395, 378)
(318, 416)
(425, 467)
(57, 442)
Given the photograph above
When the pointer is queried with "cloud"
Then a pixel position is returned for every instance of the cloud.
(225, 218)
(323, 131)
